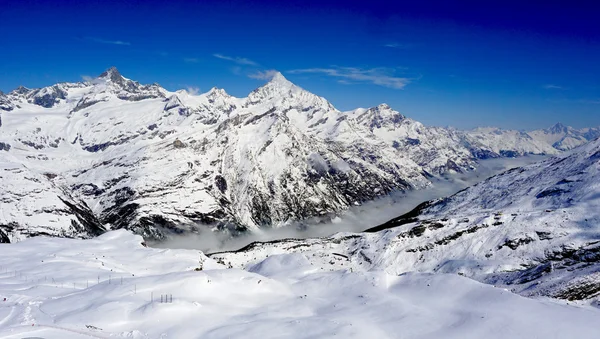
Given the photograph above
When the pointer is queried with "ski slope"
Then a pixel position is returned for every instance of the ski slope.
(56, 295)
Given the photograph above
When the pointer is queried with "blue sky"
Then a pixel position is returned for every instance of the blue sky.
(458, 63)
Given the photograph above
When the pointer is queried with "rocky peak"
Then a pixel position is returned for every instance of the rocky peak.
(379, 116)
(21, 90)
(279, 80)
(112, 74)
(281, 91)
(127, 89)
(217, 92)
(558, 128)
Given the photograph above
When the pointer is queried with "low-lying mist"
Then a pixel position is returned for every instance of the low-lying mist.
(355, 219)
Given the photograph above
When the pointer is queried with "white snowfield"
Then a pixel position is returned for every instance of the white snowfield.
(534, 230)
(52, 291)
(140, 157)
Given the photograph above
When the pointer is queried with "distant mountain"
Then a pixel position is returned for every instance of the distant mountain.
(143, 158)
(564, 137)
(534, 230)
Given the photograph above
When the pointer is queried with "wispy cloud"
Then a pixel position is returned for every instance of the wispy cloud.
(348, 75)
(89, 79)
(237, 60)
(263, 75)
(192, 90)
(551, 86)
(109, 42)
(396, 45)
(191, 60)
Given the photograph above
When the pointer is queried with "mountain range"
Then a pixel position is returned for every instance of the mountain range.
(532, 229)
(79, 159)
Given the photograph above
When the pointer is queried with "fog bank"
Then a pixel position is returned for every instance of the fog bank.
(355, 219)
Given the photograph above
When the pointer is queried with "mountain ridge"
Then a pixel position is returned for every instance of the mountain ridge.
(531, 229)
(159, 162)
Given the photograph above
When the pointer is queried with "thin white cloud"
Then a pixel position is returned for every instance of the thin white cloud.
(237, 60)
(89, 79)
(109, 42)
(378, 76)
(263, 75)
(192, 90)
(191, 60)
(396, 45)
(551, 86)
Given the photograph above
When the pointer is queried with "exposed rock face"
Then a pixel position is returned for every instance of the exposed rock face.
(48, 96)
(158, 162)
(5, 103)
(178, 144)
(534, 230)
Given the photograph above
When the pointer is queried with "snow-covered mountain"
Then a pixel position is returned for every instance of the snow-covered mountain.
(140, 157)
(565, 137)
(533, 229)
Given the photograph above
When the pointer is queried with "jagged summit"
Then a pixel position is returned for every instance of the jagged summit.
(112, 73)
(279, 88)
(379, 116)
(558, 128)
(279, 79)
(215, 91)
(280, 154)
(20, 90)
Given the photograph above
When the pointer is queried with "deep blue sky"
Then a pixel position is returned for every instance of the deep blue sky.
(458, 63)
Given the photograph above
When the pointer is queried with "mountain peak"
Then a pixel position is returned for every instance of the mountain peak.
(112, 74)
(21, 90)
(558, 128)
(383, 106)
(279, 81)
(215, 91)
(278, 78)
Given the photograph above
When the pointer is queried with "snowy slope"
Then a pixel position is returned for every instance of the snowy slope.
(534, 229)
(111, 287)
(159, 162)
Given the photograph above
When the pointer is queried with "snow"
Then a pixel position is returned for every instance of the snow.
(282, 296)
(281, 154)
(533, 229)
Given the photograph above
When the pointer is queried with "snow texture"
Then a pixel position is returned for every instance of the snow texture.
(159, 163)
(111, 287)
(534, 230)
